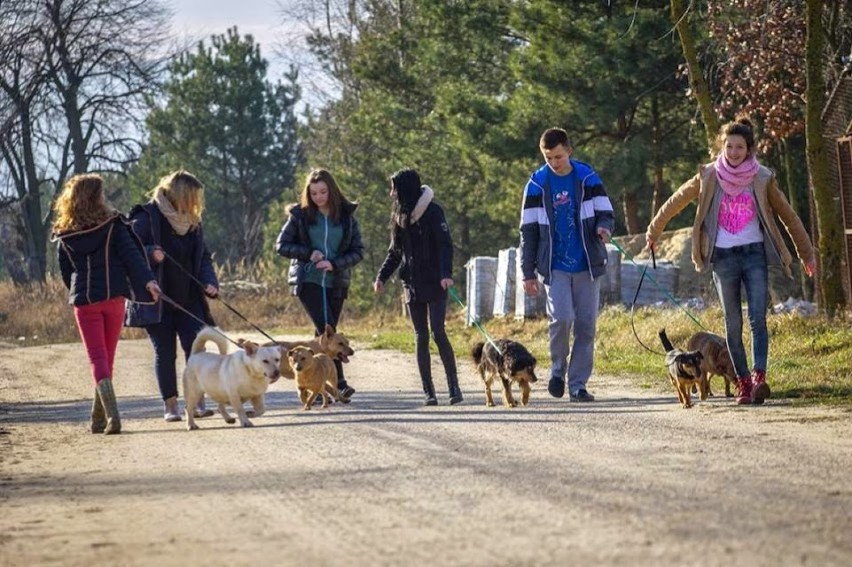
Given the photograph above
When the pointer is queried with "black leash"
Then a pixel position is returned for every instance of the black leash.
(174, 303)
(219, 297)
(633, 305)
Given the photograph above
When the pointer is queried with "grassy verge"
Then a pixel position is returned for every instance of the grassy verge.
(808, 361)
(809, 358)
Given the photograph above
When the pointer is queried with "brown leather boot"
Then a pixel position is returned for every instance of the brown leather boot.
(107, 394)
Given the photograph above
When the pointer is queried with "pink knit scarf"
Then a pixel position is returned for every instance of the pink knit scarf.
(734, 180)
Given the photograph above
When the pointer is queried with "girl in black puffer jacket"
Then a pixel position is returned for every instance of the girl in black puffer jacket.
(422, 248)
(102, 263)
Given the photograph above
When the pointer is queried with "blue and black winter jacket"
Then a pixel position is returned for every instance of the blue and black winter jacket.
(102, 262)
(537, 221)
(147, 221)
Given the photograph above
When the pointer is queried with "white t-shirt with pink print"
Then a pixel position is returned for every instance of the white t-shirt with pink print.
(738, 221)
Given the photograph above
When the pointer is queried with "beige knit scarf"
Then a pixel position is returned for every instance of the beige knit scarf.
(181, 222)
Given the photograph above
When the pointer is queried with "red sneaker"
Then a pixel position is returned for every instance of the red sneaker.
(759, 388)
(744, 390)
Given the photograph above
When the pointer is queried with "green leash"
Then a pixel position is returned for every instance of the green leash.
(650, 277)
(488, 338)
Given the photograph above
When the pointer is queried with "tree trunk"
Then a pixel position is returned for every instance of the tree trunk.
(631, 213)
(696, 77)
(795, 203)
(829, 274)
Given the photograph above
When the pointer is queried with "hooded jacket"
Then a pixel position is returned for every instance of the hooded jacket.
(423, 253)
(147, 222)
(102, 262)
(538, 221)
(294, 242)
(770, 202)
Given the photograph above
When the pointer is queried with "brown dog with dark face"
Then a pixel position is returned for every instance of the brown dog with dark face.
(509, 360)
(684, 371)
(716, 361)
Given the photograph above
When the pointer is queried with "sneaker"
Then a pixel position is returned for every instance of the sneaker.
(582, 396)
(744, 390)
(172, 413)
(201, 410)
(456, 399)
(346, 393)
(556, 386)
(759, 388)
(431, 401)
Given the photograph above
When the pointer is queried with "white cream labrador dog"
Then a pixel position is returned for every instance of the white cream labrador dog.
(229, 378)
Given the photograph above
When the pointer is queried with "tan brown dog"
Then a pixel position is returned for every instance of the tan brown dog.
(716, 361)
(512, 362)
(332, 343)
(315, 375)
(684, 370)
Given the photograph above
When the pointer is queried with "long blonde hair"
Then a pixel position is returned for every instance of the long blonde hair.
(184, 191)
(81, 204)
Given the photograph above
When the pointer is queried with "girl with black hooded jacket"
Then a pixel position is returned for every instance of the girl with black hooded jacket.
(322, 239)
(102, 263)
(422, 248)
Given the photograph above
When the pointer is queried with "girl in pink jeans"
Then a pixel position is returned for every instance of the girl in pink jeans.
(102, 263)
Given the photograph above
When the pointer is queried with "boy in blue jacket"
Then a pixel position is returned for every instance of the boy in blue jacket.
(565, 220)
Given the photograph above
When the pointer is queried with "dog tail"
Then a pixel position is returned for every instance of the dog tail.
(667, 344)
(476, 352)
(209, 334)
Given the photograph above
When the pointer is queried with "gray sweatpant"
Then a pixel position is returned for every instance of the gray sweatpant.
(572, 301)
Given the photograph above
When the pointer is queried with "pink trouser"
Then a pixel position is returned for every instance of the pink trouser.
(100, 327)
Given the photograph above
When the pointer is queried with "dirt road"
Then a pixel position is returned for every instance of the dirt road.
(631, 479)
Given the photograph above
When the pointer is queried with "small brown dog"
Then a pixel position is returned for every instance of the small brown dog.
(315, 375)
(684, 371)
(332, 343)
(716, 361)
(512, 362)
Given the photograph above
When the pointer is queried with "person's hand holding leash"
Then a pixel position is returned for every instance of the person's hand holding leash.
(316, 256)
(324, 265)
(603, 233)
(531, 287)
(446, 283)
(157, 255)
(378, 287)
(154, 289)
(211, 290)
(810, 268)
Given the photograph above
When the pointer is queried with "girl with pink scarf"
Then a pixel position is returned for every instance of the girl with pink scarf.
(735, 233)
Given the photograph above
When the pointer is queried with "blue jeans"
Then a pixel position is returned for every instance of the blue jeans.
(733, 268)
(175, 325)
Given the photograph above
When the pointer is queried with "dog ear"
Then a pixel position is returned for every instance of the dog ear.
(329, 330)
(249, 347)
(291, 352)
(310, 350)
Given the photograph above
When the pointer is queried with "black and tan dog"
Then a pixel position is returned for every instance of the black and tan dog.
(512, 362)
(684, 370)
(716, 361)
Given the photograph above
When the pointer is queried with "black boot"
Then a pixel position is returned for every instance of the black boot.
(455, 393)
(429, 390)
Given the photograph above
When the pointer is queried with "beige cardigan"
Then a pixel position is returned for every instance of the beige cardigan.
(771, 203)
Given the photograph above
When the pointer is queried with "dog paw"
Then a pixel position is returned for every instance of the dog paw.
(489, 404)
(250, 413)
(230, 420)
(191, 427)
(247, 424)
